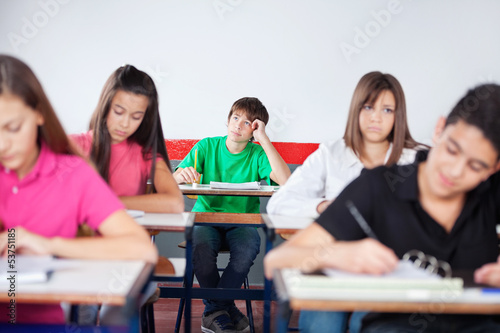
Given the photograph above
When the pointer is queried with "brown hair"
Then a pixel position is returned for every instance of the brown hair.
(367, 91)
(253, 108)
(149, 134)
(18, 79)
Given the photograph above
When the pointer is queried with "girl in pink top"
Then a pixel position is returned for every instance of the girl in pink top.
(47, 191)
(126, 143)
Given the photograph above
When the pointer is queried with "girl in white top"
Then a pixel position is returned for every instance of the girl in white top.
(376, 134)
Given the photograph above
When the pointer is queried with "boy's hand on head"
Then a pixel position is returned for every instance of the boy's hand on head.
(259, 130)
(187, 175)
(488, 274)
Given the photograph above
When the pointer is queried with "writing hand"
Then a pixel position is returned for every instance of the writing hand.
(365, 256)
(26, 242)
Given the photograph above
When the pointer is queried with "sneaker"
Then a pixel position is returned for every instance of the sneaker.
(240, 321)
(216, 322)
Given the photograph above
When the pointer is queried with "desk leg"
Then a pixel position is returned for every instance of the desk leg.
(189, 284)
(268, 287)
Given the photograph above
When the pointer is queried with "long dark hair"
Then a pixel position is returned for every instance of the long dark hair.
(18, 79)
(367, 91)
(149, 134)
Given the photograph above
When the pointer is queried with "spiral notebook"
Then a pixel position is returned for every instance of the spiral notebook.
(417, 277)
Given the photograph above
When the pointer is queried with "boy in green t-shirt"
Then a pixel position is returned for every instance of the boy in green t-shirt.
(233, 159)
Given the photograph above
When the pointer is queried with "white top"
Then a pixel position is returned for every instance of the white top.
(324, 174)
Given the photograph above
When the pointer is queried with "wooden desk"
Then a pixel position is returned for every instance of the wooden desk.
(166, 222)
(471, 301)
(204, 189)
(85, 282)
(286, 224)
(235, 219)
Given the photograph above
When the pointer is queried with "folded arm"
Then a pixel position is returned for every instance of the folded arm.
(167, 199)
(120, 238)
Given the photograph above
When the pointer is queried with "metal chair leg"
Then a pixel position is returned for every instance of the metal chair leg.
(246, 285)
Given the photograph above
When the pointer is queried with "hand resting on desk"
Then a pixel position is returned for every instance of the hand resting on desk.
(186, 175)
(488, 274)
(26, 243)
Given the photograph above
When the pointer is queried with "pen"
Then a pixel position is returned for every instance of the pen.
(361, 221)
(490, 290)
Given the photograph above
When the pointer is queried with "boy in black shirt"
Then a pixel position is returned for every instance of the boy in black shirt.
(446, 204)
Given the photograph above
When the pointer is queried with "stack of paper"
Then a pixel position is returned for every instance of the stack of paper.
(235, 186)
(135, 213)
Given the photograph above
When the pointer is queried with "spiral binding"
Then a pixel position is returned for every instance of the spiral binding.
(428, 263)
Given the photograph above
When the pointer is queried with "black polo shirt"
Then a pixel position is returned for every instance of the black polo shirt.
(387, 197)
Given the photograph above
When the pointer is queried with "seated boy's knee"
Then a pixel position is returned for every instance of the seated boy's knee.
(204, 251)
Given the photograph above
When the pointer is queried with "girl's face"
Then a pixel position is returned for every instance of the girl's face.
(377, 120)
(18, 134)
(126, 113)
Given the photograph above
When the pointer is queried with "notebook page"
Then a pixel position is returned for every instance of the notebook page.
(404, 270)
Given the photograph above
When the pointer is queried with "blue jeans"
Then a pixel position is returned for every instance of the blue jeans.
(329, 321)
(429, 323)
(243, 244)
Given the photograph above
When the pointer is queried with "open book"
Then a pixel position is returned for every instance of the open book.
(235, 186)
(26, 269)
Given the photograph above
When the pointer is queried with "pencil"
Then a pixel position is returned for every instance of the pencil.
(195, 157)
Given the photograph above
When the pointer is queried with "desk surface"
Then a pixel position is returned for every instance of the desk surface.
(166, 222)
(471, 301)
(286, 224)
(85, 282)
(228, 218)
(204, 189)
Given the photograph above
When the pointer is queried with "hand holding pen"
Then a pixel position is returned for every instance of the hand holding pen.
(369, 255)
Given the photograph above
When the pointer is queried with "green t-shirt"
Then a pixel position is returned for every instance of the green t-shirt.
(217, 164)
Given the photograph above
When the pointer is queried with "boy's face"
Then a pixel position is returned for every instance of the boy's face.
(239, 127)
(460, 160)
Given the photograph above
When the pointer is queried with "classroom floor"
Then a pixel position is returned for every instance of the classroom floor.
(166, 315)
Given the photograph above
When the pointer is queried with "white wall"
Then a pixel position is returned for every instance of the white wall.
(205, 54)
